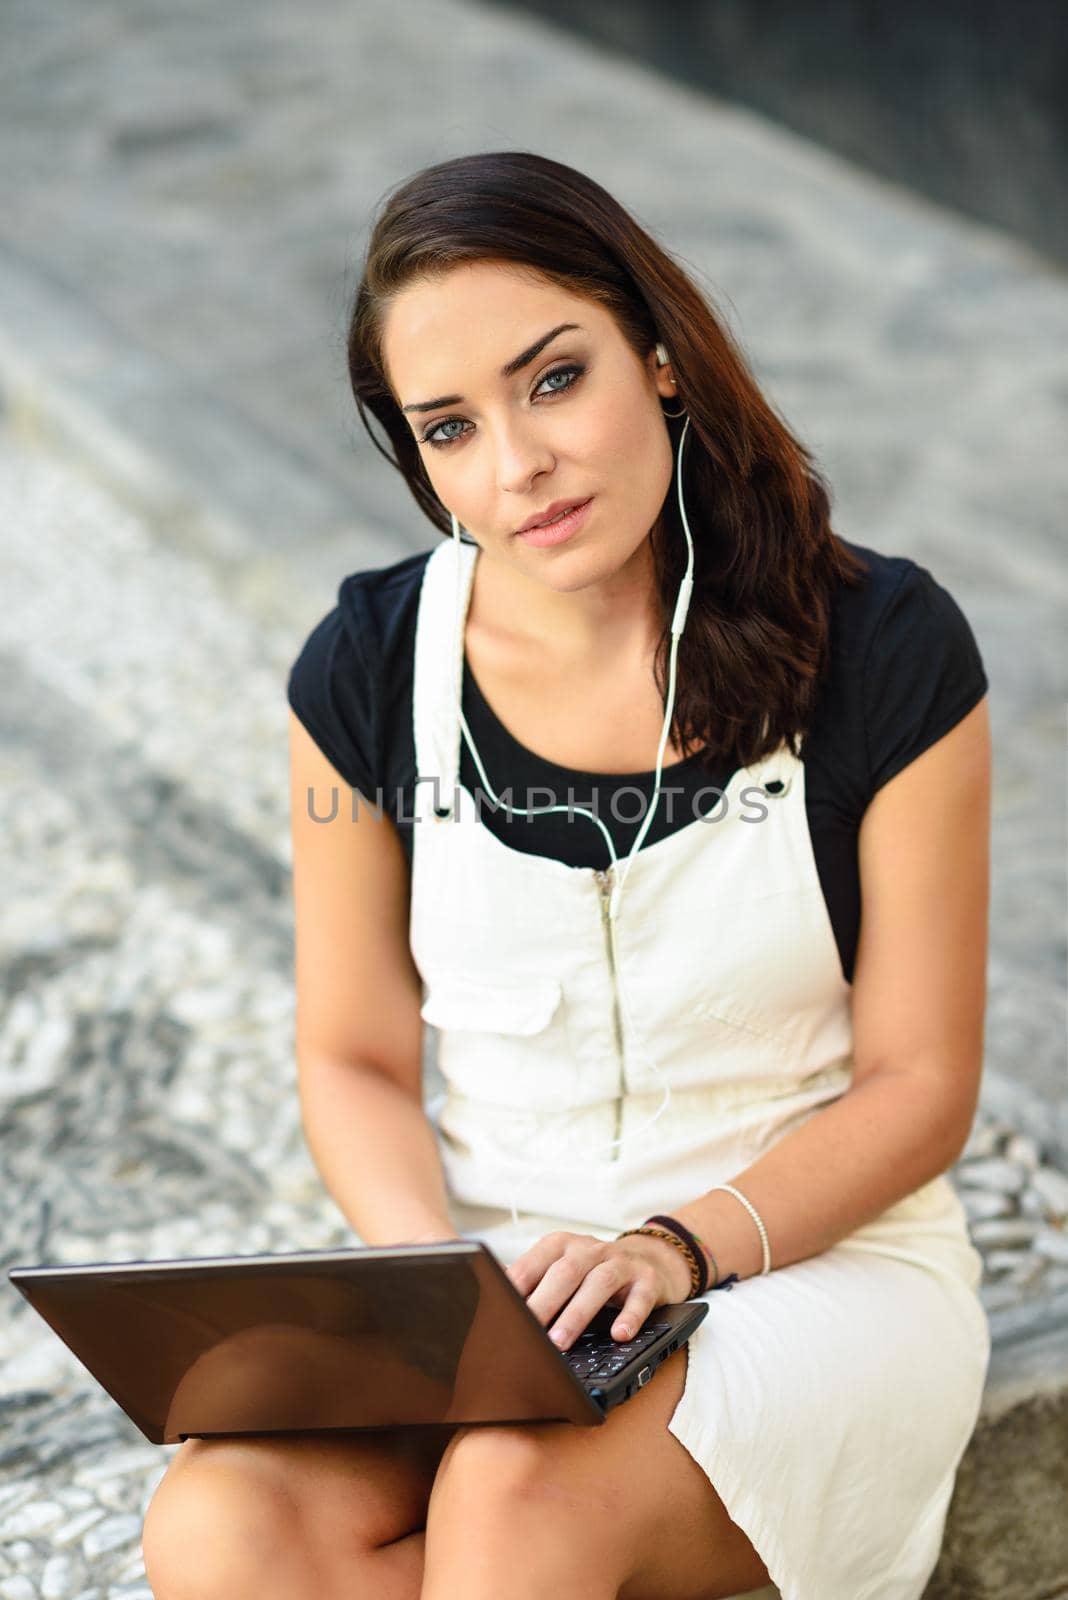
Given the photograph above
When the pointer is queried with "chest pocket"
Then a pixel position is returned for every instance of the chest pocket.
(503, 1044)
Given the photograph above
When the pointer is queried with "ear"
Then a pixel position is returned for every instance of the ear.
(661, 376)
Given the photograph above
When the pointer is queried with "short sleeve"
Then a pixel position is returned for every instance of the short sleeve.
(923, 674)
(328, 691)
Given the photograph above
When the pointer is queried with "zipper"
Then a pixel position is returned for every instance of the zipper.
(603, 879)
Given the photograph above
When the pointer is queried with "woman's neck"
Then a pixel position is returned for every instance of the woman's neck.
(615, 620)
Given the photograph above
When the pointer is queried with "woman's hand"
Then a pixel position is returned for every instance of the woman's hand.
(570, 1276)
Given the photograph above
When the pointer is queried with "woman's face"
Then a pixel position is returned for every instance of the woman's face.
(580, 418)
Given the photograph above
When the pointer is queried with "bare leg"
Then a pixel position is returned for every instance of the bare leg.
(502, 1525)
(327, 1515)
(617, 1512)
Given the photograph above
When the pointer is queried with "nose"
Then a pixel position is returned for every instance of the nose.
(520, 456)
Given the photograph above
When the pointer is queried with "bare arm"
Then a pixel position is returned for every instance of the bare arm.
(919, 996)
(376, 1152)
(358, 1029)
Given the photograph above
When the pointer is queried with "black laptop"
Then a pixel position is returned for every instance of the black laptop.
(376, 1337)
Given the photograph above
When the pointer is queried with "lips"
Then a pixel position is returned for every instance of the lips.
(550, 514)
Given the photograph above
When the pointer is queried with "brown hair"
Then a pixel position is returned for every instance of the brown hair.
(755, 645)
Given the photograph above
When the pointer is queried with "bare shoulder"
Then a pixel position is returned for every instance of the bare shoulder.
(358, 990)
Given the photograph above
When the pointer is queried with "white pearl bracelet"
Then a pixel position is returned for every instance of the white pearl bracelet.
(754, 1213)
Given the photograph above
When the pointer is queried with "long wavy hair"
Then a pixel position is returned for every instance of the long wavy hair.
(756, 643)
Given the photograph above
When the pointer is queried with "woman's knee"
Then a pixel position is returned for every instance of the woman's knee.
(217, 1524)
(504, 1464)
(265, 1512)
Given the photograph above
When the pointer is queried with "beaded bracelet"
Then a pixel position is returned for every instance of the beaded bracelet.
(755, 1214)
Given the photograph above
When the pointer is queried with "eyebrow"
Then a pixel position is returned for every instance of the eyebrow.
(509, 369)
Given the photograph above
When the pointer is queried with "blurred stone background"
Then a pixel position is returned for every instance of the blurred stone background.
(965, 101)
(185, 194)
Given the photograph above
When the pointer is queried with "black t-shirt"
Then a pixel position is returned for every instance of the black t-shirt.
(904, 668)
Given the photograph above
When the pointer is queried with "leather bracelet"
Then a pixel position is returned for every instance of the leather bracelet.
(697, 1270)
(697, 1246)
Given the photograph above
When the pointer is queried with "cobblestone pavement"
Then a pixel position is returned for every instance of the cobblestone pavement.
(176, 230)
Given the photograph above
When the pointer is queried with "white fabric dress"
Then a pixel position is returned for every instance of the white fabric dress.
(829, 1401)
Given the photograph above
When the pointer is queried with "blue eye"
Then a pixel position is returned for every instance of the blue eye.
(572, 372)
(428, 438)
(562, 372)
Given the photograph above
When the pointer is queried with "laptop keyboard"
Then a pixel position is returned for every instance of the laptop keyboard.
(596, 1356)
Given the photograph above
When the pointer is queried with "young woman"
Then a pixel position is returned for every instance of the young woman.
(675, 825)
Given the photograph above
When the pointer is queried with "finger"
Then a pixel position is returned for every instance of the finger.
(638, 1296)
(564, 1276)
(640, 1301)
(527, 1270)
(603, 1282)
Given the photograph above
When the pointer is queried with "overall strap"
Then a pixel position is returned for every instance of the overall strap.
(438, 674)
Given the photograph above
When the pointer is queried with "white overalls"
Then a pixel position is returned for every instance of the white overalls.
(829, 1401)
